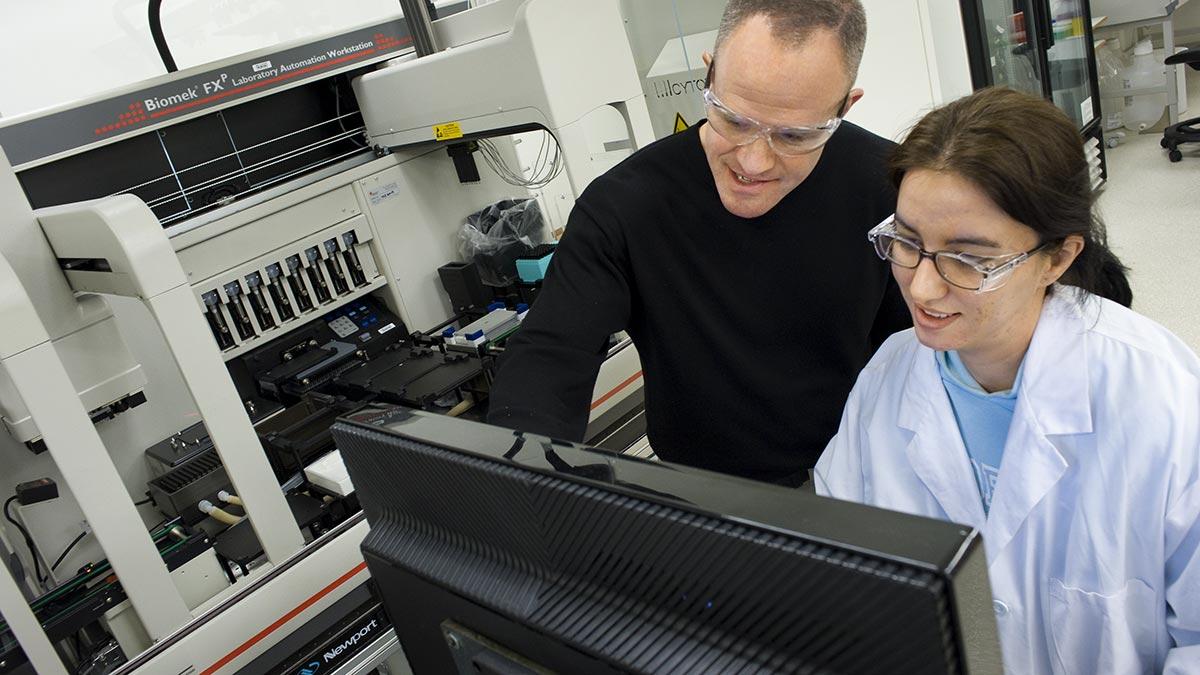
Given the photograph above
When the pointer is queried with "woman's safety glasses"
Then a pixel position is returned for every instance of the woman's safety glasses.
(979, 273)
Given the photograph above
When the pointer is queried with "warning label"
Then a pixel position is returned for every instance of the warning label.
(673, 100)
(447, 132)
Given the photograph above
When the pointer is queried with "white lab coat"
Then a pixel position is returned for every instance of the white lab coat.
(1093, 539)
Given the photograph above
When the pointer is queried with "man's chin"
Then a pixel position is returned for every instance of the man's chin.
(747, 207)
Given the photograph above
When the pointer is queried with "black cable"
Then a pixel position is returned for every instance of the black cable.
(67, 550)
(160, 40)
(337, 112)
(37, 566)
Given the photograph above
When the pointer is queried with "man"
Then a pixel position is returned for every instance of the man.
(734, 254)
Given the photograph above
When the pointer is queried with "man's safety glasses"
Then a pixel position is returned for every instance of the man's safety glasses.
(741, 130)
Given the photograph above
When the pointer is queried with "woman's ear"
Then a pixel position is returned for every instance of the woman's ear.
(1060, 260)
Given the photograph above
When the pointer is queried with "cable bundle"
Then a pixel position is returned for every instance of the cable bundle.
(546, 167)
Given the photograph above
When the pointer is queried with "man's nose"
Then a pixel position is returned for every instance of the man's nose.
(757, 158)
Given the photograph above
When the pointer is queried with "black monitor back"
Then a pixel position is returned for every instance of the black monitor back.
(498, 552)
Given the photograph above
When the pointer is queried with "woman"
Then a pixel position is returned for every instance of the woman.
(1028, 401)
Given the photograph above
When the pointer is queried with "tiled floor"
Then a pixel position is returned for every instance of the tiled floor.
(1152, 210)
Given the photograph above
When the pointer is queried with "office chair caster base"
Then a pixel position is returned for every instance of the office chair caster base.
(1162, 142)
(1175, 156)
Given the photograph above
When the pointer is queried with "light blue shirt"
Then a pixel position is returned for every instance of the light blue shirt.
(983, 420)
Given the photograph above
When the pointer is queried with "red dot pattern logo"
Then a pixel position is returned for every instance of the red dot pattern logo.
(134, 115)
(387, 41)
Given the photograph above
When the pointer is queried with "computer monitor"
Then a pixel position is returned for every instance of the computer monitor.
(501, 552)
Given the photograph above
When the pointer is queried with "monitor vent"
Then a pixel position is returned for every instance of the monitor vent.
(644, 585)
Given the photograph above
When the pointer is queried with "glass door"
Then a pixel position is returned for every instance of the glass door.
(1007, 45)
(1069, 59)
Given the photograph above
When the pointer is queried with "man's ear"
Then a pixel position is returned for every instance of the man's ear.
(707, 57)
(855, 95)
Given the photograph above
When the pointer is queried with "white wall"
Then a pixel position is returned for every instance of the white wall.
(894, 73)
(1187, 23)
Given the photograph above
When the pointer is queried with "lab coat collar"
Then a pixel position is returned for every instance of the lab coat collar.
(1056, 365)
(1053, 399)
(1055, 375)
(936, 451)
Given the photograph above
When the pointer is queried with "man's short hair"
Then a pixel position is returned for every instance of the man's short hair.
(794, 21)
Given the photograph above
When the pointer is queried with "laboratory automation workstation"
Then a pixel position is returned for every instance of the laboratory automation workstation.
(251, 311)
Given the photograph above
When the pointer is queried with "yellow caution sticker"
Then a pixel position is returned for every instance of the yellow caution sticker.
(680, 123)
(447, 131)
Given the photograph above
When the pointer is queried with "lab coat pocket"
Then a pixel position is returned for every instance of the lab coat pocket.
(1094, 633)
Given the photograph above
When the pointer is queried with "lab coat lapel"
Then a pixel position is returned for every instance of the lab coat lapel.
(1031, 467)
(1053, 400)
(936, 451)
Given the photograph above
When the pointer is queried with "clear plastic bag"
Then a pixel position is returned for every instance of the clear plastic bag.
(1111, 65)
(496, 236)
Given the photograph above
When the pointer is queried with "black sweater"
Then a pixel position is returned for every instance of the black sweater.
(751, 331)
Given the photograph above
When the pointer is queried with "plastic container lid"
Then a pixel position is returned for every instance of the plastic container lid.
(522, 307)
(495, 306)
(449, 332)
